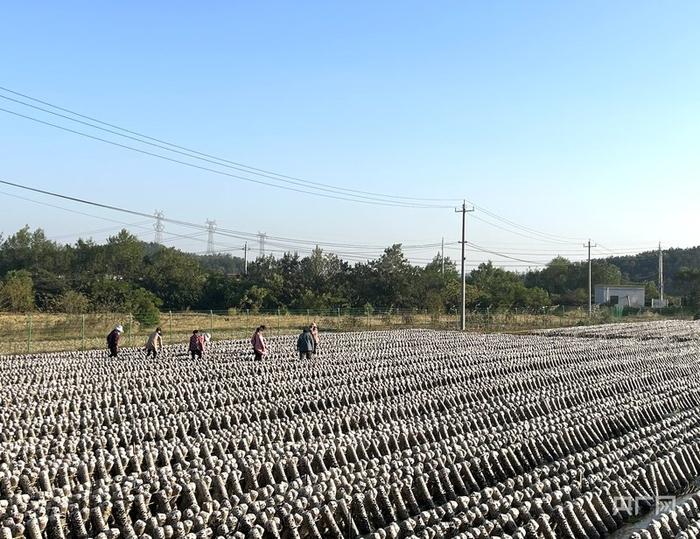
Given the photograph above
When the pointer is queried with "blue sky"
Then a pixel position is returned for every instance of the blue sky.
(575, 119)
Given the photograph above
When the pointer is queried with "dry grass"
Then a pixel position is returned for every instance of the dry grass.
(44, 332)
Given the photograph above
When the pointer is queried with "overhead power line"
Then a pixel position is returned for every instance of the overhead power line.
(496, 253)
(200, 227)
(328, 190)
(544, 235)
(191, 152)
(142, 225)
(337, 193)
(224, 173)
(522, 234)
(229, 164)
(345, 250)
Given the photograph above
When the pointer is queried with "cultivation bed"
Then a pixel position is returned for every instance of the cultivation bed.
(410, 433)
(679, 330)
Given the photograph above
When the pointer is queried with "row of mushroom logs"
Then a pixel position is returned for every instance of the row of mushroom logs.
(388, 434)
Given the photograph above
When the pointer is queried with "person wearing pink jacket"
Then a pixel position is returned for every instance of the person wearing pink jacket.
(259, 344)
(196, 344)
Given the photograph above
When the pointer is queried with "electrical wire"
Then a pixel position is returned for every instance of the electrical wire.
(517, 233)
(220, 231)
(194, 153)
(287, 243)
(224, 173)
(545, 235)
(212, 161)
(368, 196)
(496, 253)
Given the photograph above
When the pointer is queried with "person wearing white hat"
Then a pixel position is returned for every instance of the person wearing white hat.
(113, 340)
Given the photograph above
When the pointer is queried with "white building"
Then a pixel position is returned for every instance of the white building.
(622, 295)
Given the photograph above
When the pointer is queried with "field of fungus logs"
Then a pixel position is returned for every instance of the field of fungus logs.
(660, 329)
(399, 434)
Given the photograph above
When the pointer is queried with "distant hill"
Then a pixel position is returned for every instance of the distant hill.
(645, 266)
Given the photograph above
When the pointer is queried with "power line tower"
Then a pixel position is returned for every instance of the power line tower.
(261, 239)
(158, 226)
(211, 227)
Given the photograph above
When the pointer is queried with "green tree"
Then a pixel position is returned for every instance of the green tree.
(254, 298)
(602, 272)
(221, 291)
(175, 277)
(72, 302)
(124, 255)
(17, 291)
(650, 291)
(441, 290)
(689, 281)
(393, 280)
(144, 306)
(110, 295)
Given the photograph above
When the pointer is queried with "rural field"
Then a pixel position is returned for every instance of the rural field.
(385, 434)
(53, 332)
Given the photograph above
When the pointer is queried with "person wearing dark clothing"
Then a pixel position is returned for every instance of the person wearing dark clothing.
(305, 344)
(113, 340)
(196, 344)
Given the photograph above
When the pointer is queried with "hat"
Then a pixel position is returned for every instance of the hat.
(119, 328)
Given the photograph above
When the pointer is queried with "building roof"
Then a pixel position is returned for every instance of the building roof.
(635, 286)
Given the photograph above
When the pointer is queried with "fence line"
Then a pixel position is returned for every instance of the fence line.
(40, 332)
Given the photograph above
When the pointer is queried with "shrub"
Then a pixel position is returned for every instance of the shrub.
(144, 307)
(72, 302)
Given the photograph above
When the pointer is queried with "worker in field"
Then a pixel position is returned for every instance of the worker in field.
(154, 343)
(113, 340)
(305, 344)
(314, 334)
(258, 342)
(196, 344)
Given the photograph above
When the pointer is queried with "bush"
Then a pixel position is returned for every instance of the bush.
(144, 307)
(72, 302)
(17, 292)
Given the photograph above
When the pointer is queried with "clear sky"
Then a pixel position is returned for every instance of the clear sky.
(577, 119)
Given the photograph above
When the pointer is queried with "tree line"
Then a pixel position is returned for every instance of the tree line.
(125, 274)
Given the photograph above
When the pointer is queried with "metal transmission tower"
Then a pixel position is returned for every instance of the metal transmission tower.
(463, 317)
(211, 227)
(261, 238)
(158, 226)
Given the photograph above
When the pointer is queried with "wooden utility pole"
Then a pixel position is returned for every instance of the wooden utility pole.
(661, 275)
(463, 316)
(442, 256)
(590, 279)
(245, 258)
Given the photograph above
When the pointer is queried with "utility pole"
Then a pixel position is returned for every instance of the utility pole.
(245, 258)
(661, 275)
(442, 256)
(211, 227)
(261, 239)
(158, 226)
(590, 279)
(463, 316)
